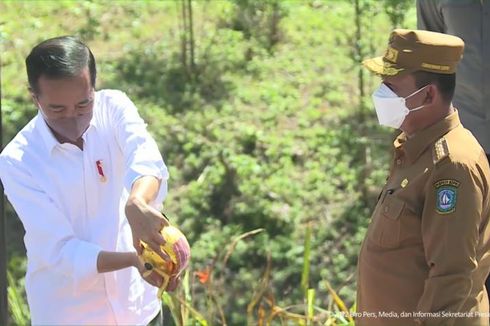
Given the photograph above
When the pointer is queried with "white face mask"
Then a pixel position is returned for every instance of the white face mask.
(390, 108)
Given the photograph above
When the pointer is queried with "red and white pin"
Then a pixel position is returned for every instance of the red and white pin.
(100, 171)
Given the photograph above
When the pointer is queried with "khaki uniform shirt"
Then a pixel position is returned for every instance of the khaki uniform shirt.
(427, 246)
(470, 20)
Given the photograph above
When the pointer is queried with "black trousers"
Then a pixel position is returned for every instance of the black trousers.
(487, 282)
(158, 320)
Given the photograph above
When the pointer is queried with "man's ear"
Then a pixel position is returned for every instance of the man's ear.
(432, 95)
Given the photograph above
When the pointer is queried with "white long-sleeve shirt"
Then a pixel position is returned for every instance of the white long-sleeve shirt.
(71, 203)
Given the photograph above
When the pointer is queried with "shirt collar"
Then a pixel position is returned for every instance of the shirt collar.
(47, 136)
(413, 147)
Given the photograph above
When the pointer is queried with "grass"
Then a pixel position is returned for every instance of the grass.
(262, 309)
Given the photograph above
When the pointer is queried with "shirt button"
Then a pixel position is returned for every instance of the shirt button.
(386, 209)
(398, 161)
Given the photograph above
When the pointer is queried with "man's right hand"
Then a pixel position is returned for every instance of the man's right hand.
(146, 223)
(152, 278)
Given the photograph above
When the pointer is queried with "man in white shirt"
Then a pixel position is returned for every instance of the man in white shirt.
(86, 179)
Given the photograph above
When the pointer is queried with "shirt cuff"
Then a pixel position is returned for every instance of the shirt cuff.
(85, 265)
(141, 170)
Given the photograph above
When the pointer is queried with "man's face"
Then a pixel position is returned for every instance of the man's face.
(404, 86)
(66, 104)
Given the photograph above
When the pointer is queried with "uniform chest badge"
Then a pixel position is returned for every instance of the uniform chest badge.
(404, 183)
(446, 195)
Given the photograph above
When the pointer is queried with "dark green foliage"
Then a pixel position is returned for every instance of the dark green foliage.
(265, 132)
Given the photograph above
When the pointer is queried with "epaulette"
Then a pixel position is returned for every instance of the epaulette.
(440, 151)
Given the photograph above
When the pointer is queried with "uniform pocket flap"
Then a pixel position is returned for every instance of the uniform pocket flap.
(392, 207)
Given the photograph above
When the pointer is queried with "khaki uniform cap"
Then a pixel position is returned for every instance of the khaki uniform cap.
(414, 50)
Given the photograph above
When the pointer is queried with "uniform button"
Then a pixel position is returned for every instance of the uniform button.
(386, 209)
(398, 162)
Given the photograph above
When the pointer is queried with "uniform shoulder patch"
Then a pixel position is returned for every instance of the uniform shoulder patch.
(440, 150)
(446, 195)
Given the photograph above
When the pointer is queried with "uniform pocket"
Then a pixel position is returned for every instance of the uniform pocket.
(386, 226)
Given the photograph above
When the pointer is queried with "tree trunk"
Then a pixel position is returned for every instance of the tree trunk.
(3, 246)
(183, 36)
(190, 27)
(359, 55)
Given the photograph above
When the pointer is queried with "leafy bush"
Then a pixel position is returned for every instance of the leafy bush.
(268, 131)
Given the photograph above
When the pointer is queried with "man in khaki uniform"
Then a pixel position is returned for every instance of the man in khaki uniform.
(426, 255)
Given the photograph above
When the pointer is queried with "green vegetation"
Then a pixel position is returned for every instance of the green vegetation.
(264, 118)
